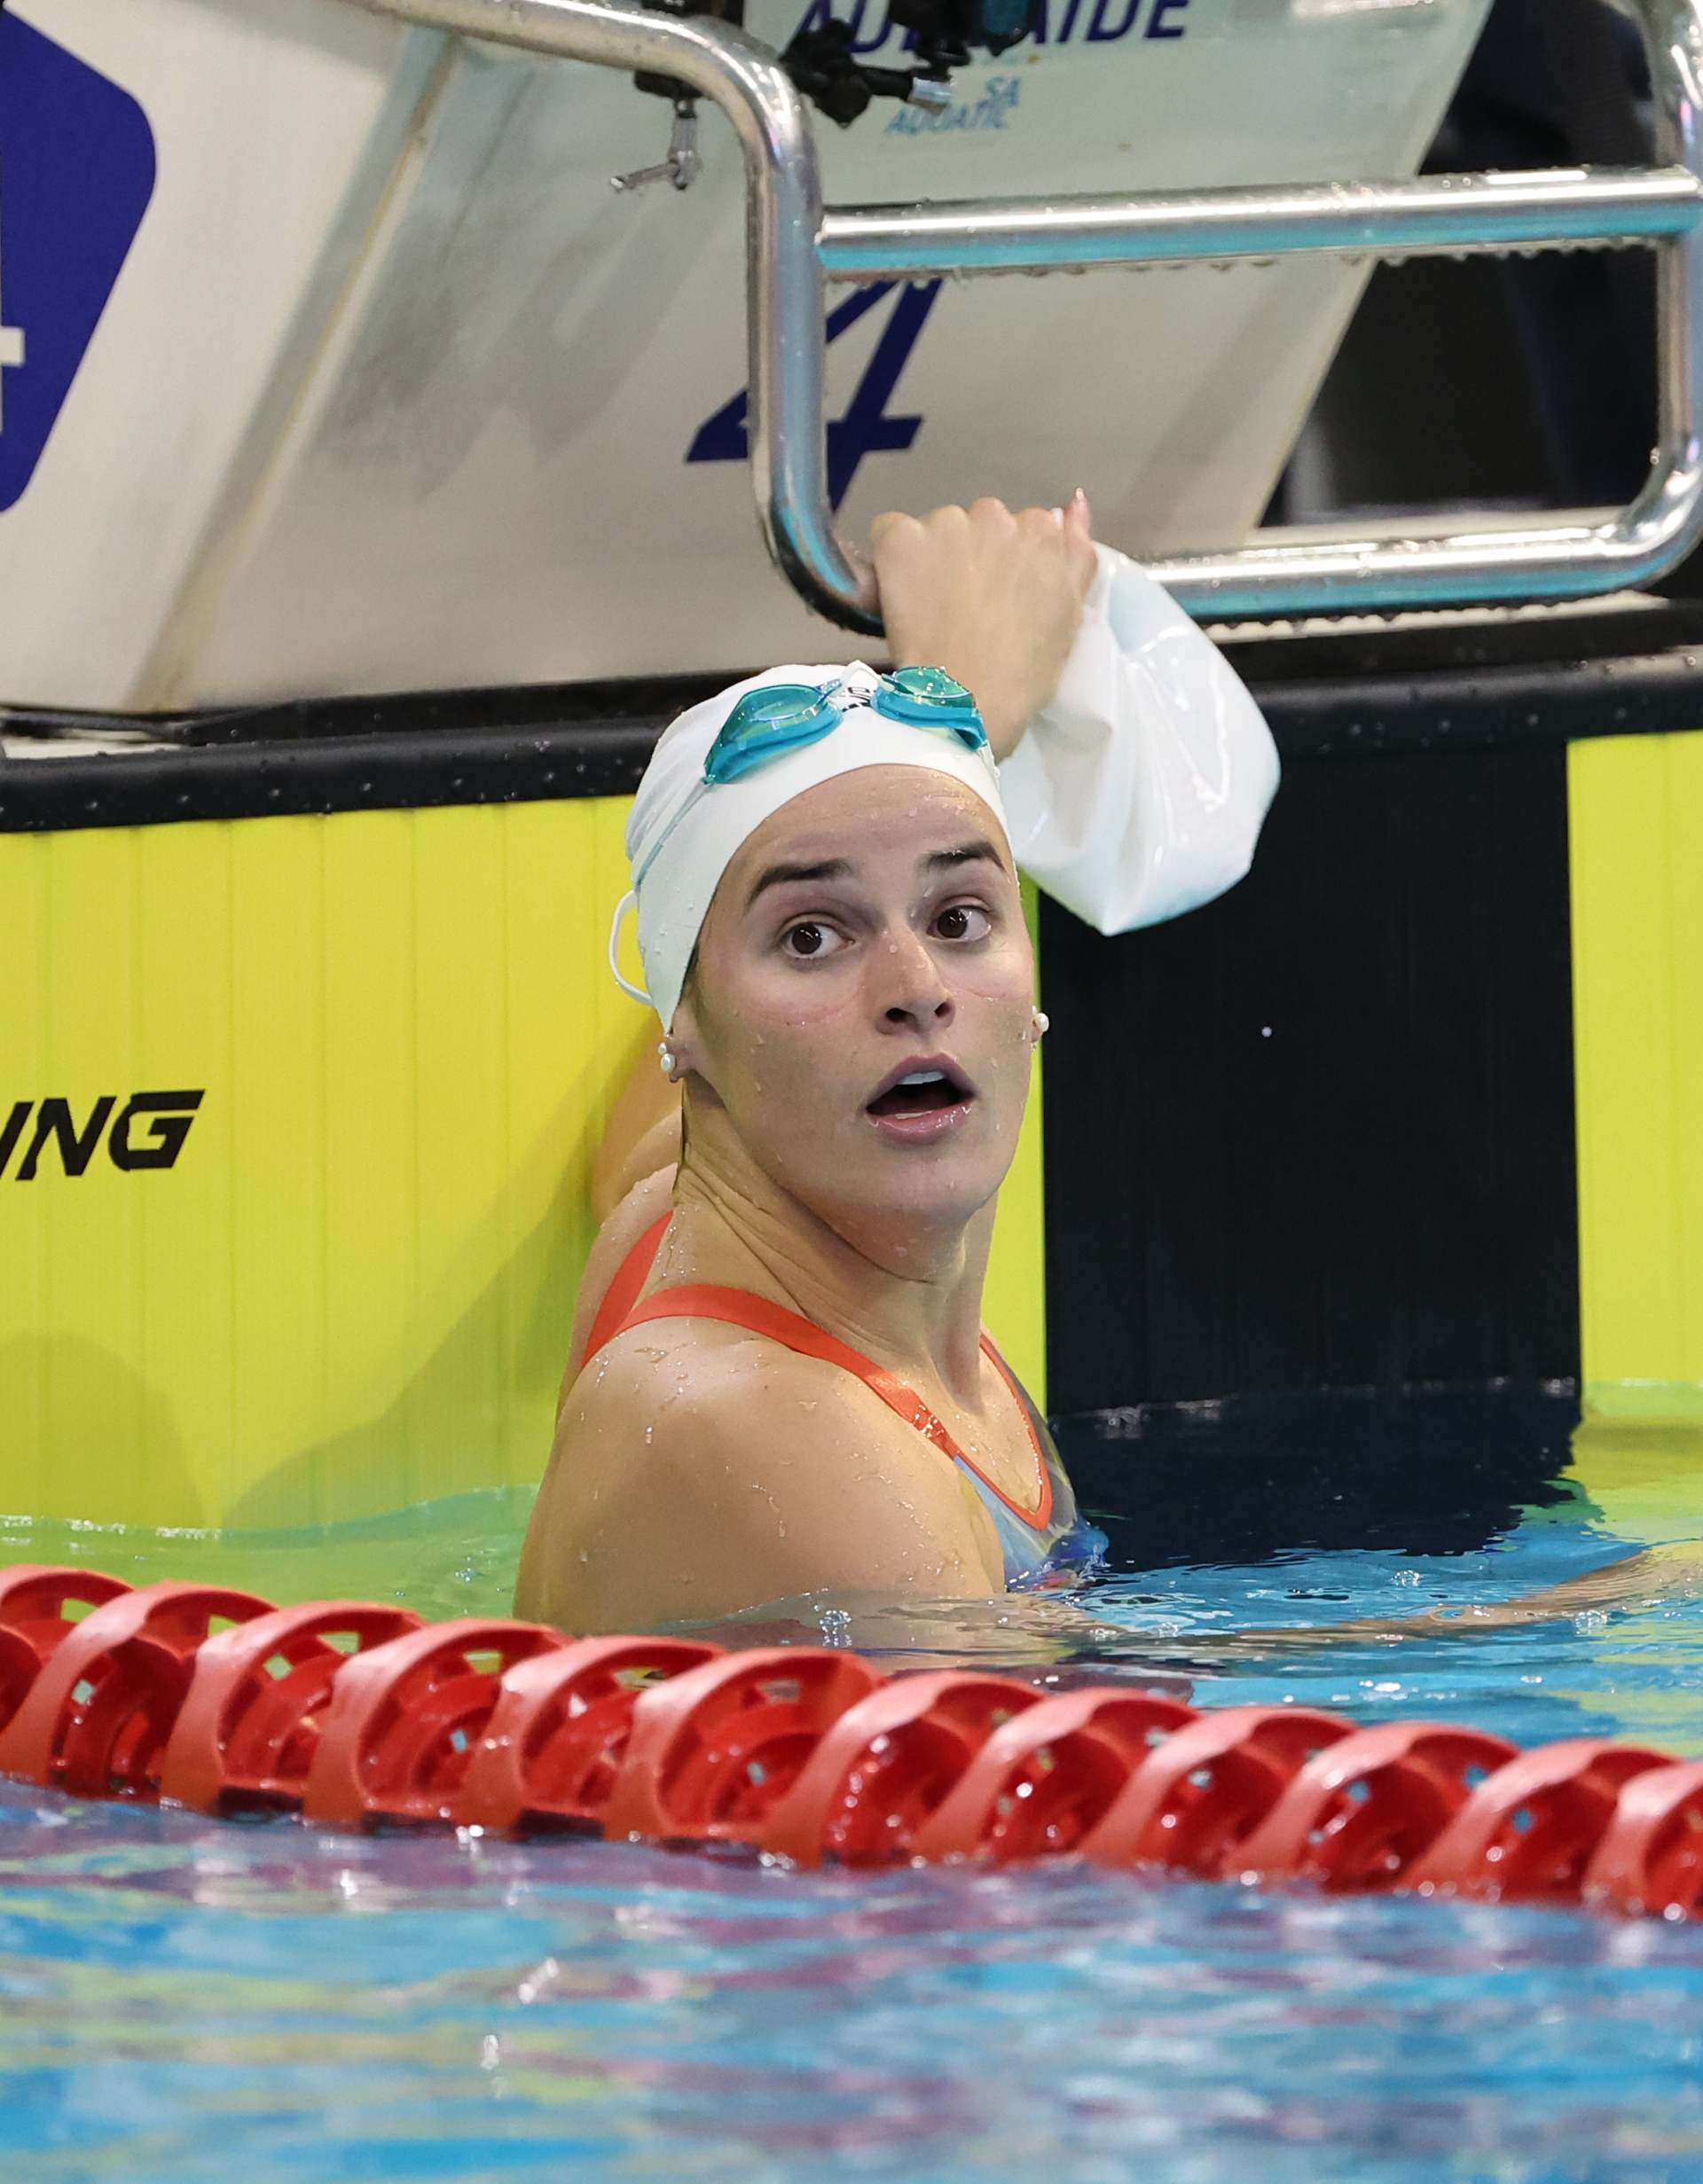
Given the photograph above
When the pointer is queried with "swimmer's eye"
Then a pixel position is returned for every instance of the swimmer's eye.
(963, 921)
(809, 941)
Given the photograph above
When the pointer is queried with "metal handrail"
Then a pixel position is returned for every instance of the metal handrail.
(792, 249)
(1437, 216)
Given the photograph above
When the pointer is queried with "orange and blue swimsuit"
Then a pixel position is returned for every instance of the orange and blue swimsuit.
(1046, 1543)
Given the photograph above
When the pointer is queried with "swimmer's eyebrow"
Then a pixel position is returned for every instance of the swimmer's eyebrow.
(979, 851)
(779, 875)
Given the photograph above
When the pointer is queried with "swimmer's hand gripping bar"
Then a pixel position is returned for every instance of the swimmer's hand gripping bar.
(794, 248)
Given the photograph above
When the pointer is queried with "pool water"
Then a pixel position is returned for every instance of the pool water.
(182, 1998)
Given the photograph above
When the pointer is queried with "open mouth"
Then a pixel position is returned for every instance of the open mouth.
(919, 1093)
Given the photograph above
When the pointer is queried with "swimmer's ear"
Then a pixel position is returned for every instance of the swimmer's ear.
(683, 1041)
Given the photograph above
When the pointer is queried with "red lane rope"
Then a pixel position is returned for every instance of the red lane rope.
(352, 1714)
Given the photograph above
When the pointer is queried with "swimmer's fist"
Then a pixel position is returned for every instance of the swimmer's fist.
(994, 597)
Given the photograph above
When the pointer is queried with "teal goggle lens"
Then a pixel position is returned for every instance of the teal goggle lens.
(767, 724)
(928, 698)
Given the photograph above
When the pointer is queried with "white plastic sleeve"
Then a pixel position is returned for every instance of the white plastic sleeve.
(1139, 793)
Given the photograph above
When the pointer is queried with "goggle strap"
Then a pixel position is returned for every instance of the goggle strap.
(629, 901)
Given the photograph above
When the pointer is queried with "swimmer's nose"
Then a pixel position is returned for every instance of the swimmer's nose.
(916, 998)
(923, 1016)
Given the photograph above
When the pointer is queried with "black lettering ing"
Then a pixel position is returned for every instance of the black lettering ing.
(15, 1122)
(76, 1147)
(172, 1113)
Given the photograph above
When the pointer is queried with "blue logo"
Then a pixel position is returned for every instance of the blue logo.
(1001, 95)
(867, 427)
(1056, 22)
(76, 172)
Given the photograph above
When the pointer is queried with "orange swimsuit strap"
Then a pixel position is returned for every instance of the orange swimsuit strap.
(741, 1308)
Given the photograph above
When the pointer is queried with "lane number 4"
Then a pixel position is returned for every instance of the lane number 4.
(866, 428)
(11, 344)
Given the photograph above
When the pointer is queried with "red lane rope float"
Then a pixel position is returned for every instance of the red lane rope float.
(351, 1713)
(557, 1736)
(34, 1599)
(255, 1712)
(1361, 1810)
(1529, 1831)
(1651, 1855)
(886, 1765)
(1192, 1804)
(96, 1719)
(714, 1751)
(404, 1719)
(1045, 1777)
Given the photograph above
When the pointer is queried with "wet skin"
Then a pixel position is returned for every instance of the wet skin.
(871, 929)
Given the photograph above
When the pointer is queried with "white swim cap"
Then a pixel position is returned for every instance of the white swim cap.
(683, 833)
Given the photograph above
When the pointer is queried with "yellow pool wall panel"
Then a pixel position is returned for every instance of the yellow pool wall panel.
(1637, 820)
(352, 1289)
(1013, 1298)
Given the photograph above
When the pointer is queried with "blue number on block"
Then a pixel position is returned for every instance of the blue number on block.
(76, 172)
(866, 428)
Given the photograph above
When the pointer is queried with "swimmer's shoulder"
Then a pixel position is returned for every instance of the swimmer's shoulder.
(700, 1467)
(711, 1380)
(646, 1204)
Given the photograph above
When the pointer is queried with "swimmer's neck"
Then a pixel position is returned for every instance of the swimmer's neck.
(906, 1292)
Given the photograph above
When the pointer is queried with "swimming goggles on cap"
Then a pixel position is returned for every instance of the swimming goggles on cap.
(777, 718)
(780, 718)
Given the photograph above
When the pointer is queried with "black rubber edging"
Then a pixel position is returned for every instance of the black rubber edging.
(1357, 694)
(1494, 708)
(388, 771)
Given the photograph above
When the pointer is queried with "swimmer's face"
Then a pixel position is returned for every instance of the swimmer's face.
(870, 929)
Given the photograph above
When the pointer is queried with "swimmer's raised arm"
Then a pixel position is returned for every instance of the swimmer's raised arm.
(992, 597)
(995, 598)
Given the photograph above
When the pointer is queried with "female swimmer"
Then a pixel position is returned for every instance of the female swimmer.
(780, 1382)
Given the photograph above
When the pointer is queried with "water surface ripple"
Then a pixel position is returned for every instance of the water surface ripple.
(184, 1999)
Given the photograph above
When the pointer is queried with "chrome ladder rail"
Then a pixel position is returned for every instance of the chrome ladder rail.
(794, 248)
